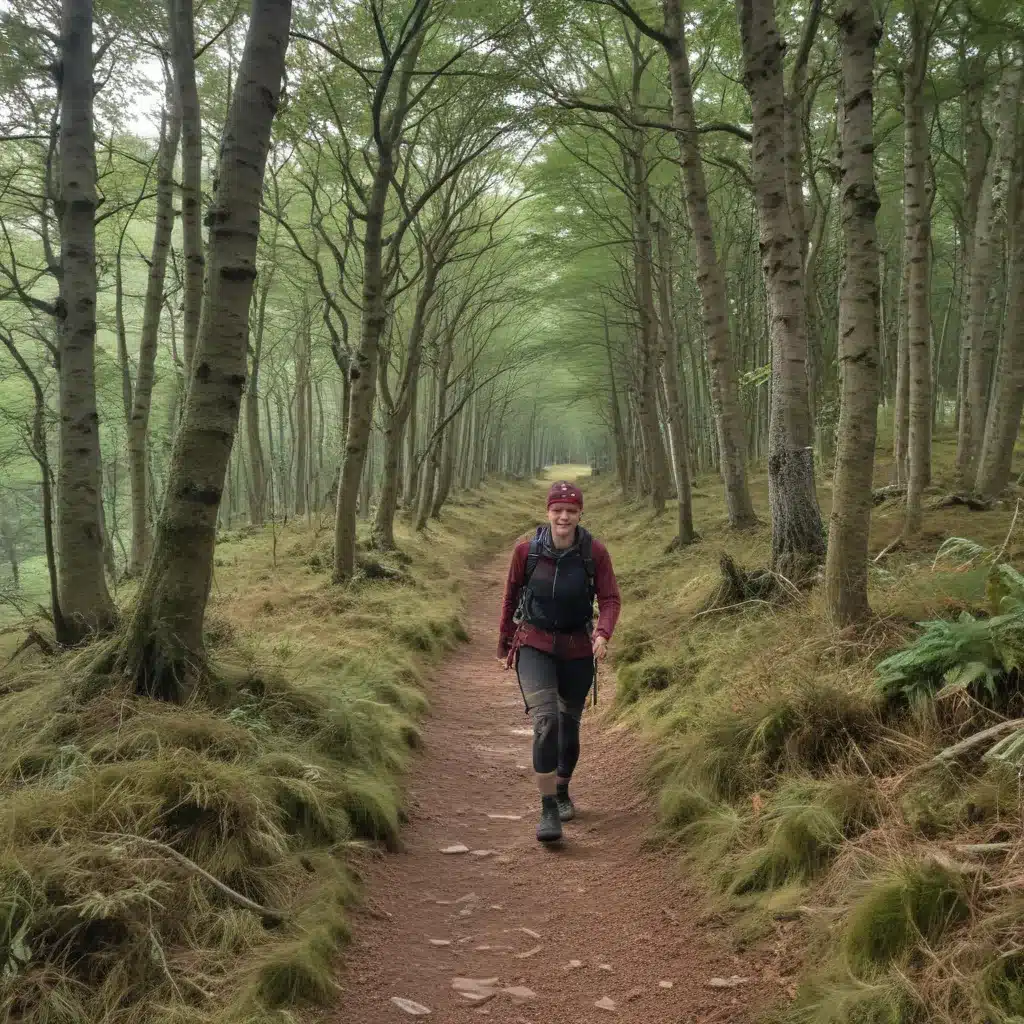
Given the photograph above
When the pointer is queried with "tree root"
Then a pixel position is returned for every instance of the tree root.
(739, 587)
(677, 544)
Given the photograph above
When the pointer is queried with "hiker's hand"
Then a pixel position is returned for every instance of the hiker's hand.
(600, 647)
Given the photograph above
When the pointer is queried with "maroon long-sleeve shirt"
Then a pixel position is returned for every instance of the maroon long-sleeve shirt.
(569, 645)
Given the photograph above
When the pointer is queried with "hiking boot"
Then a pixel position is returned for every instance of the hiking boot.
(549, 829)
(566, 808)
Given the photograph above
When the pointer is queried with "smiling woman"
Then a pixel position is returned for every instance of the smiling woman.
(547, 632)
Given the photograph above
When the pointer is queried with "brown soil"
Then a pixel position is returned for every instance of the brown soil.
(599, 897)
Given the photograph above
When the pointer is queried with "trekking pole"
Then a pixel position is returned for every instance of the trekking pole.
(594, 704)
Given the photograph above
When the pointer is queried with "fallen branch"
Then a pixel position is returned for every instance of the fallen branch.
(889, 549)
(34, 639)
(980, 849)
(953, 752)
(970, 501)
(191, 865)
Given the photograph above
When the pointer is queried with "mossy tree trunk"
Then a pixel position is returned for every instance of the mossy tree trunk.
(1004, 414)
(725, 399)
(979, 340)
(798, 539)
(163, 649)
(183, 48)
(84, 600)
(142, 395)
(917, 191)
(846, 565)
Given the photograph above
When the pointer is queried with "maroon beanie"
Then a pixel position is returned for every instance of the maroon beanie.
(563, 493)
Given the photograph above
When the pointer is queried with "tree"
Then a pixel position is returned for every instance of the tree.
(183, 45)
(139, 399)
(917, 197)
(846, 564)
(85, 602)
(798, 540)
(1004, 411)
(163, 649)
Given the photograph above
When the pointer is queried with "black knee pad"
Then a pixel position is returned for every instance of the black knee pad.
(545, 742)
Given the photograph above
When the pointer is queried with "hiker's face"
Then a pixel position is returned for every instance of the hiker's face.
(564, 519)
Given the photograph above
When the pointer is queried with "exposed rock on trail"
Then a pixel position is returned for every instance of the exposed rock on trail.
(601, 899)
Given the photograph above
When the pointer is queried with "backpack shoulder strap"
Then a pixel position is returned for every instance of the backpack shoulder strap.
(531, 558)
(587, 554)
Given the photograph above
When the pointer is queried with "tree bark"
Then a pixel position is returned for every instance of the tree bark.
(725, 400)
(647, 393)
(675, 397)
(979, 340)
(183, 47)
(846, 564)
(363, 372)
(301, 438)
(163, 650)
(397, 413)
(798, 539)
(1004, 414)
(901, 408)
(917, 225)
(138, 421)
(84, 599)
(432, 465)
(257, 466)
(447, 471)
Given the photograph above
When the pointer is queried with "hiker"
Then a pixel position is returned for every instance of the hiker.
(547, 633)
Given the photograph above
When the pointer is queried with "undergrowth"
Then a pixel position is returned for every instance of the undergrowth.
(851, 797)
(121, 815)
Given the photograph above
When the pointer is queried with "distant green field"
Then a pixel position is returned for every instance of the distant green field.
(34, 589)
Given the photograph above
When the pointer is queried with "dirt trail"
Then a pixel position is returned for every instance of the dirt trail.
(521, 913)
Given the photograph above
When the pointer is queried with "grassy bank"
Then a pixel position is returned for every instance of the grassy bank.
(123, 820)
(800, 781)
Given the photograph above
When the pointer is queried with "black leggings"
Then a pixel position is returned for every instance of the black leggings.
(555, 691)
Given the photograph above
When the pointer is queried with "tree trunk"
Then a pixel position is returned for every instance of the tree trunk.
(302, 416)
(397, 413)
(411, 487)
(257, 467)
(447, 471)
(183, 48)
(138, 422)
(901, 408)
(798, 539)
(84, 599)
(618, 431)
(675, 398)
(163, 649)
(647, 393)
(432, 465)
(363, 372)
(725, 400)
(979, 341)
(846, 564)
(1003, 426)
(917, 242)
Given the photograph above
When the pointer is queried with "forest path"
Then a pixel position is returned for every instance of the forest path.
(520, 913)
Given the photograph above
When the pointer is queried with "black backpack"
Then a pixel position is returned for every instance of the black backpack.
(586, 553)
